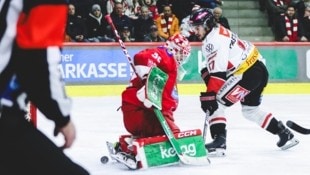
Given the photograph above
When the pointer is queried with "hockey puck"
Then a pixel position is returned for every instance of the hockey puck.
(104, 159)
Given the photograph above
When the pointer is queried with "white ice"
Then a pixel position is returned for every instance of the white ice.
(251, 150)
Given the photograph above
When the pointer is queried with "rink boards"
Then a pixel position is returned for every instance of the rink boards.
(184, 89)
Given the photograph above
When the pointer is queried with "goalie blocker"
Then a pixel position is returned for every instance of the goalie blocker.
(157, 151)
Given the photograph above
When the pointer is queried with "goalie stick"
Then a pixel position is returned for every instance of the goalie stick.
(183, 158)
(297, 127)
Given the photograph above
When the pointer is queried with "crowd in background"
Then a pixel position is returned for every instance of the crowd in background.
(156, 20)
(135, 20)
(288, 19)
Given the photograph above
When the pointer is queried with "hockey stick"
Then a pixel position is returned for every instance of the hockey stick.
(205, 127)
(120, 41)
(183, 158)
(297, 127)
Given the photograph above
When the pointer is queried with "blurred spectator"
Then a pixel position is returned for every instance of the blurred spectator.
(96, 26)
(119, 19)
(180, 8)
(299, 7)
(262, 5)
(161, 3)
(131, 8)
(290, 28)
(167, 23)
(185, 26)
(219, 18)
(153, 36)
(152, 7)
(275, 8)
(75, 28)
(126, 35)
(84, 7)
(209, 3)
(142, 24)
(306, 22)
(111, 4)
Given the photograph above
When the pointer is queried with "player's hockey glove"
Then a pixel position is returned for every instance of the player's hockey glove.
(141, 95)
(204, 73)
(208, 102)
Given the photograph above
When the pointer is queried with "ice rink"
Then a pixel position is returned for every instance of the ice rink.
(251, 150)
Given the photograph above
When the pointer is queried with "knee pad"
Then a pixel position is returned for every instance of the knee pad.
(255, 114)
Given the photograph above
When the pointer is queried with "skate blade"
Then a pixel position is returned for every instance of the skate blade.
(131, 164)
(289, 144)
(219, 152)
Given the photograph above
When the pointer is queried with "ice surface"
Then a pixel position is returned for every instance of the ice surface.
(250, 149)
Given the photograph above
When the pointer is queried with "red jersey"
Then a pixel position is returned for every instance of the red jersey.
(33, 30)
(160, 58)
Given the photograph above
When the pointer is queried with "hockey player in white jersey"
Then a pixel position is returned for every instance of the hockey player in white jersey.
(234, 71)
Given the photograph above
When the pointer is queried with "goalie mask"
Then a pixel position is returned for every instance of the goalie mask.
(179, 46)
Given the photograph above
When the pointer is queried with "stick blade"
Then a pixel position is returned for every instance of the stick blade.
(187, 160)
(294, 126)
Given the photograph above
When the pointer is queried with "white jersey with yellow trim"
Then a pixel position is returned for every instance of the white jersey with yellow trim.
(224, 51)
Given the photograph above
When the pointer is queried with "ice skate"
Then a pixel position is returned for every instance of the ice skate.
(124, 158)
(217, 148)
(287, 139)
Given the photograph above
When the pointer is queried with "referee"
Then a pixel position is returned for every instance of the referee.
(31, 36)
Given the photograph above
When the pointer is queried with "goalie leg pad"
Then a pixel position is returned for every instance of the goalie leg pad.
(157, 151)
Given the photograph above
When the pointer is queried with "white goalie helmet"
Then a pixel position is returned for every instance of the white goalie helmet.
(179, 46)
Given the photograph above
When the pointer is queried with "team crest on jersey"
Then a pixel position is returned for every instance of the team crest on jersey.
(237, 94)
(209, 47)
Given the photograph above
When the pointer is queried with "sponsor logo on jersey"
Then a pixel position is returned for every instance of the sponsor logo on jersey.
(209, 47)
(237, 94)
(229, 84)
(233, 40)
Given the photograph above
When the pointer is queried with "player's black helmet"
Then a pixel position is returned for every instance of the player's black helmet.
(203, 16)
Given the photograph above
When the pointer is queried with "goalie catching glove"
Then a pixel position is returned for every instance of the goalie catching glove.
(141, 95)
(208, 102)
